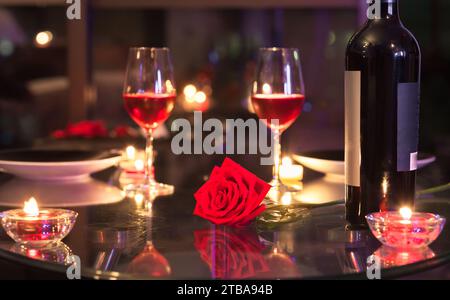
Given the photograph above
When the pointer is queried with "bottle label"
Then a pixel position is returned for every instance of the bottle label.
(407, 126)
(352, 127)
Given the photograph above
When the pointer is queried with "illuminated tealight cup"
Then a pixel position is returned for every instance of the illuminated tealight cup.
(132, 160)
(35, 227)
(290, 174)
(405, 229)
(130, 153)
(196, 99)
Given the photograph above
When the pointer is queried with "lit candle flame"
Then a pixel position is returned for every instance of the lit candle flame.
(139, 165)
(169, 86)
(43, 38)
(405, 212)
(385, 185)
(139, 198)
(286, 199)
(31, 207)
(255, 87)
(290, 174)
(286, 161)
(131, 152)
(200, 97)
(266, 89)
(189, 92)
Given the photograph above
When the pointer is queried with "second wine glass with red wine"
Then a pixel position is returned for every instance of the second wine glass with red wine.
(278, 95)
(149, 95)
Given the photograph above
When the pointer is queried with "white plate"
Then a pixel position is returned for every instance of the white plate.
(331, 162)
(55, 165)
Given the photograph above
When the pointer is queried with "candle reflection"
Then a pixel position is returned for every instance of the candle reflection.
(59, 253)
(384, 189)
(59, 194)
(390, 257)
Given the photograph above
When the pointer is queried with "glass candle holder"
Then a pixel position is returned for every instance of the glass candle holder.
(132, 161)
(59, 253)
(415, 231)
(47, 227)
(290, 174)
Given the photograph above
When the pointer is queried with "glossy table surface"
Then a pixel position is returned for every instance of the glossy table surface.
(118, 237)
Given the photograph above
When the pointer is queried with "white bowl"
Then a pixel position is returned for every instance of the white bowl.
(55, 165)
(331, 162)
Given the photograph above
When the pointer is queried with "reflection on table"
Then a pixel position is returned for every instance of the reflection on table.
(56, 194)
(142, 238)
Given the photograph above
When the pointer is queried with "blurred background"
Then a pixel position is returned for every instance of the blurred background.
(54, 71)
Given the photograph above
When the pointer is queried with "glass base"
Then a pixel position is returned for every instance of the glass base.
(150, 190)
(282, 205)
(155, 188)
(280, 193)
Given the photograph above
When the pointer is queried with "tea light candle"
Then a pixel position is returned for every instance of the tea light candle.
(404, 228)
(130, 152)
(290, 174)
(139, 165)
(32, 226)
(133, 161)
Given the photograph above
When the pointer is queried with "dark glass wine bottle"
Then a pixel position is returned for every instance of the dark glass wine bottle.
(382, 81)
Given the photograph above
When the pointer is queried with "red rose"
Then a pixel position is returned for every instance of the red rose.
(59, 134)
(87, 129)
(83, 129)
(121, 131)
(231, 196)
(231, 253)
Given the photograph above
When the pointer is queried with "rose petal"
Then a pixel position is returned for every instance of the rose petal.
(231, 196)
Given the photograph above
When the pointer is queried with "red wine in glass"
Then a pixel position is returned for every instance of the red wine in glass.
(149, 97)
(285, 108)
(278, 95)
(149, 110)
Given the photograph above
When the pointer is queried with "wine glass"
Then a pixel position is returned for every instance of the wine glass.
(278, 95)
(149, 96)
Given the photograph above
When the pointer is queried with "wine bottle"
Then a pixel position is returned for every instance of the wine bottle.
(382, 81)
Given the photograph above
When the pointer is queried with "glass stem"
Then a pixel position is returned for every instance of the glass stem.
(276, 158)
(148, 164)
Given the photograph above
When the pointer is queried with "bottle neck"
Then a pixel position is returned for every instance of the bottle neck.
(389, 9)
(384, 10)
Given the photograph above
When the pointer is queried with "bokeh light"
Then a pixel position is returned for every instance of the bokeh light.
(43, 39)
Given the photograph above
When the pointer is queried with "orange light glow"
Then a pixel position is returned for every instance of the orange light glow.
(405, 212)
(31, 207)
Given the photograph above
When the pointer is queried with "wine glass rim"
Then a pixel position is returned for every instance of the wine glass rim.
(150, 48)
(274, 49)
